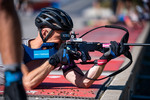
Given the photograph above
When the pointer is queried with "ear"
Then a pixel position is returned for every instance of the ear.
(44, 32)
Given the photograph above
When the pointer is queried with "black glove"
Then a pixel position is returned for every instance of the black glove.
(14, 89)
(114, 51)
(63, 56)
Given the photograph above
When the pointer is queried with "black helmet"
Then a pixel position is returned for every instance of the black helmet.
(55, 19)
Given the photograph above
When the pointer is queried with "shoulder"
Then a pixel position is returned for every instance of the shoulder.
(25, 41)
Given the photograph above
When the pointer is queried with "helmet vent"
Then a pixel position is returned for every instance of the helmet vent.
(55, 19)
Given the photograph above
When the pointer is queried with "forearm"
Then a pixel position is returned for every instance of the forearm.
(76, 76)
(36, 76)
(10, 33)
(93, 73)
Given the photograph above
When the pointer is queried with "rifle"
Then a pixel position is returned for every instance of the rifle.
(77, 45)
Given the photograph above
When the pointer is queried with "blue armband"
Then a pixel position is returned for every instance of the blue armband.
(12, 77)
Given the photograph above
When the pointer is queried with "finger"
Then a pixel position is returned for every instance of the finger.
(73, 52)
(62, 45)
(115, 47)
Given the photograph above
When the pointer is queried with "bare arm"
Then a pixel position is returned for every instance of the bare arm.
(80, 80)
(33, 78)
(10, 33)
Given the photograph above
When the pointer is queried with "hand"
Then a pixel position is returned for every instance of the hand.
(115, 50)
(63, 56)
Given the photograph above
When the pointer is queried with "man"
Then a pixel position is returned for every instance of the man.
(52, 23)
(10, 48)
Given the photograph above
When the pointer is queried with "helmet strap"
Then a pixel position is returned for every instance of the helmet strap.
(44, 40)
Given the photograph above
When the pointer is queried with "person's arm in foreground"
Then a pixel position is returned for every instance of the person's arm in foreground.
(10, 48)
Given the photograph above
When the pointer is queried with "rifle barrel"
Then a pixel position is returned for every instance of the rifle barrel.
(137, 44)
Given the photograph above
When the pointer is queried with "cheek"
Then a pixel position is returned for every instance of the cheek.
(56, 36)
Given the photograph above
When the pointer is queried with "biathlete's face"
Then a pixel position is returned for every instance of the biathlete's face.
(54, 37)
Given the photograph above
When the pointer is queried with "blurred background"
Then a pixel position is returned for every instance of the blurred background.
(86, 13)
